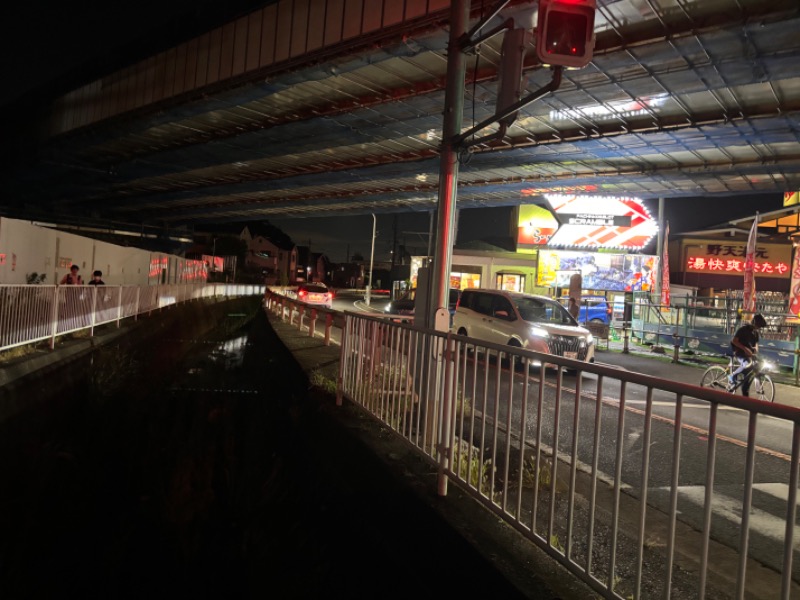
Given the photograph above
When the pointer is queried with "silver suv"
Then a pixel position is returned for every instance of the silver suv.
(532, 322)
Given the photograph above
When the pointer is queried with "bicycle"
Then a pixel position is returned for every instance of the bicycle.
(762, 386)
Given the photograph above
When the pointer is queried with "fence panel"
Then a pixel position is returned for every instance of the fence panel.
(32, 313)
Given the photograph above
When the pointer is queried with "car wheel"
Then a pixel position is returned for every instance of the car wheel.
(507, 359)
(470, 349)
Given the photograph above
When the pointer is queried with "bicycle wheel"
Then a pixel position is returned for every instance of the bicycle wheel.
(763, 387)
(715, 377)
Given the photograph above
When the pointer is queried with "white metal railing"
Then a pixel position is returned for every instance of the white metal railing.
(34, 313)
(642, 487)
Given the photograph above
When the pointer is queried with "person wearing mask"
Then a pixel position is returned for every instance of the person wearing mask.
(72, 278)
(97, 278)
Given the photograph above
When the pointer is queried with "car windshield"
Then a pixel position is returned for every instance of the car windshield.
(543, 310)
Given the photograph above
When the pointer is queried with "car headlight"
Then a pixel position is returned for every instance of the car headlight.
(539, 332)
(589, 339)
(388, 308)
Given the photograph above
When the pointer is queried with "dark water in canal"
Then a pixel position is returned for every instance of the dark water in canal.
(190, 466)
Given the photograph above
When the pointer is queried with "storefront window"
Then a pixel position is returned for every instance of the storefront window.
(463, 281)
(510, 282)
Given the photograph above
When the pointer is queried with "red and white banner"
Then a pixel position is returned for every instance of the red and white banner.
(794, 288)
(749, 289)
(665, 269)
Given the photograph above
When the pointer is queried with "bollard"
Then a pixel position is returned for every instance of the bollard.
(625, 338)
(676, 344)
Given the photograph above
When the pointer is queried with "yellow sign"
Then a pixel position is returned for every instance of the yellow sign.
(791, 198)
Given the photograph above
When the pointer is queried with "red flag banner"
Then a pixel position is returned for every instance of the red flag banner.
(794, 288)
(749, 290)
(665, 269)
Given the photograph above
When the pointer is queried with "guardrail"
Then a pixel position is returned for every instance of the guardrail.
(596, 471)
(641, 487)
(35, 313)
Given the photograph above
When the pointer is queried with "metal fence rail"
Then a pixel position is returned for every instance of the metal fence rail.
(35, 313)
(624, 478)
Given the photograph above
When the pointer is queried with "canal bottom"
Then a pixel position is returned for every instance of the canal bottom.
(195, 468)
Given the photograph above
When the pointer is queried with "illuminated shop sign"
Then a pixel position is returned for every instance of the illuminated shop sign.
(601, 222)
(535, 226)
(699, 263)
(596, 220)
(771, 260)
(598, 270)
(791, 198)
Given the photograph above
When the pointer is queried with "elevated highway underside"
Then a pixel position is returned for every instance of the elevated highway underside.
(332, 107)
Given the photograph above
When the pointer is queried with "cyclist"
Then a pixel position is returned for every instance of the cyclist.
(745, 346)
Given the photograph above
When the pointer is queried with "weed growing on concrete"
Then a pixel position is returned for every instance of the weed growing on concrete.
(467, 464)
(556, 543)
(319, 380)
(544, 478)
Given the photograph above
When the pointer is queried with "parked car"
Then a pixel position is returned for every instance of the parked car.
(315, 293)
(593, 309)
(404, 305)
(533, 322)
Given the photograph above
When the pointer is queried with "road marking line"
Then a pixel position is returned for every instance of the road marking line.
(730, 508)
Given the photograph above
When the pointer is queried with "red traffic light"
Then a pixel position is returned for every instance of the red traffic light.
(565, 32)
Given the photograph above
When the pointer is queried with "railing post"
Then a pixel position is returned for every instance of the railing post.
(312, 322)
(54, 319)
(328, 326)
(343, 364)
(676, 345)
(94, 311)
(625, 337)
(445, 444)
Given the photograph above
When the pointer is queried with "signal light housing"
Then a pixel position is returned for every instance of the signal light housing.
(565, 32)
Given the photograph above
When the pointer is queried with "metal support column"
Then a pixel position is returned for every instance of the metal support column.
(448, 167)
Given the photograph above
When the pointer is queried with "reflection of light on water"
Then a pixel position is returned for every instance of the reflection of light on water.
(230, 353)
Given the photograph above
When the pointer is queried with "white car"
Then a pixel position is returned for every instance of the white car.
(315, 293)
(535, 323)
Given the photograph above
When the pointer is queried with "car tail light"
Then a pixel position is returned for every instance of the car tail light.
(302, 293)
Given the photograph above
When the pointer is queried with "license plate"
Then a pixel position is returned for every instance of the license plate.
(570, 355)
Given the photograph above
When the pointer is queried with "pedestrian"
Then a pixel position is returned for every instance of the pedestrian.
(72, 278)
(97, 278)
(573, 308)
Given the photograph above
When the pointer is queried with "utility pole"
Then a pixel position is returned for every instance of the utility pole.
(371, 258)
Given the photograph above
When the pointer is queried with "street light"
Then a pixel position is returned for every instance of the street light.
(371, 258)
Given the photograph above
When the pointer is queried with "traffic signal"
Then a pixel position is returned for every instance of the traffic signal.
(565, 32)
